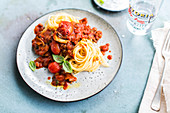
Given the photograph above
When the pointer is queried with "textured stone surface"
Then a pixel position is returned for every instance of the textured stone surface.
(123, 95)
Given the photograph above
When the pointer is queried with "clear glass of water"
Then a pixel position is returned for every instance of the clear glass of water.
(142, 14)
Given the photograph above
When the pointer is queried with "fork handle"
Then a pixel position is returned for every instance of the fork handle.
(156, 102)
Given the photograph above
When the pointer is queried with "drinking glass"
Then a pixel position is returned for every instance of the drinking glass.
(142, 14)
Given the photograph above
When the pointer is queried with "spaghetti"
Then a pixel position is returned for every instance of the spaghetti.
(54, 20)
(87, 57)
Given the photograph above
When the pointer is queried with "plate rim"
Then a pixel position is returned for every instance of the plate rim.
(121, 55)
(113, 10)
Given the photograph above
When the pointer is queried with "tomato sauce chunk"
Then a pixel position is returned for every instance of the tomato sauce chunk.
(65, 28)
(54, 67)
(49, 78)
(55, 48)
(43, 61)
(104, 48)
(109, 57)
(38, 28)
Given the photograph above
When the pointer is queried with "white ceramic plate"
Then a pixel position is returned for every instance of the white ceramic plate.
(113, 5)
(88, 83)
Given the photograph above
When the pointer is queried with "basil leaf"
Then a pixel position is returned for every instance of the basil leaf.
(57, 58)
(101, 2)
(67, 67)
(57, 82)
(32, 65)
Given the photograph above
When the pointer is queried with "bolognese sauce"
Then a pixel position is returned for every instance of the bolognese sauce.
(45, 45)
(104, 48)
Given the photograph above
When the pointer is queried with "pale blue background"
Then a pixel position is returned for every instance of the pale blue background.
(123, 95)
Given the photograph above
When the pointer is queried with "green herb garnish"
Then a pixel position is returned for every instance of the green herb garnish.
(57, 82)
(58, 59)
(66, 65)
(32, 65)
(101, 2)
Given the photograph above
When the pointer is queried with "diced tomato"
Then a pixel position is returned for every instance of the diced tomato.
(54, 67)
(55, 48)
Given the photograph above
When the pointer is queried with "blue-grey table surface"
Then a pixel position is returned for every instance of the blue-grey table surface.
(123, 95)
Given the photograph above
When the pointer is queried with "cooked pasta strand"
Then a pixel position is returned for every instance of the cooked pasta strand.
(87, 57)
(54, 20)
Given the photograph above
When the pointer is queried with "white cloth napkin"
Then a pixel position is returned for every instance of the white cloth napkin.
(158, 37)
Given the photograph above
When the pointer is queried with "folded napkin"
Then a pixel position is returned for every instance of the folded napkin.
(158, 37)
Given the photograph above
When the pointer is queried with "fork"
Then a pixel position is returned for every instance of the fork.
(156, 102)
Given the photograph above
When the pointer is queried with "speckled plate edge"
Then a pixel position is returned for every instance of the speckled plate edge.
(121, 57)
(109, 9)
